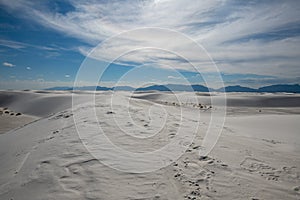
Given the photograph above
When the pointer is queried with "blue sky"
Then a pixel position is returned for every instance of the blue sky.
(44, 43)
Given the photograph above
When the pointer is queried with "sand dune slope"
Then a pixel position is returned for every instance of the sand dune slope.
(47, 159)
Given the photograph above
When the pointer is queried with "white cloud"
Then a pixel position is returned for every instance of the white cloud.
(7, 64)
(28, 68)
(228, 30)
(67, 76)
(174, 77)
(12, 44)
(21, 46)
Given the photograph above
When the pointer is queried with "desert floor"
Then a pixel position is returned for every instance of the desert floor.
(56, 147)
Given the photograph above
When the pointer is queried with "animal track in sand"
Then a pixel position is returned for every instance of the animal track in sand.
(253, 165)
(195, 177)
(46, 139)
(64, 114)
(172, 135)
(290, 173)
(297, 189)
(272, 141)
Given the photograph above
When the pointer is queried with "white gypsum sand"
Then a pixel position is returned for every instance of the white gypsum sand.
(256, 157)
(10, 120)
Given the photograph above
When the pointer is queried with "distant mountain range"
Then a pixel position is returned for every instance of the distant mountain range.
(295, 88)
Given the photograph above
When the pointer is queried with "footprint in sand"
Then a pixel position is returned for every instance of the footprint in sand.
(297, 189)
(271, 141)
(253, 165)
(193, 177)
(64, 114)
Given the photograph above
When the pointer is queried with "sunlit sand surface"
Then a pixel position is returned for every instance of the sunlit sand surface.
(43, 157)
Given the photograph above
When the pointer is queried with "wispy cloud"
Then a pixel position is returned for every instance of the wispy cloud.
(12, 44)
(260, 37)
(7, 64)
(174, 77)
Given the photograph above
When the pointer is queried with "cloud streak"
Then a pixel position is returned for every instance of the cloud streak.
(174, 77)
(12, 44)
(7, 64)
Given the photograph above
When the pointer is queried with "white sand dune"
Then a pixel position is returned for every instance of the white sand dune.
(35, 103)
(256, 157)
(232, 99)
(40, 103)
